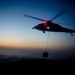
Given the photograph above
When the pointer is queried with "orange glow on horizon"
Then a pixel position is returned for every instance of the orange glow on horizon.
(32, 45)
(21, 44)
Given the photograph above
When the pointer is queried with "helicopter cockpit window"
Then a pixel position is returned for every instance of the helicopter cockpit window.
(48, 27)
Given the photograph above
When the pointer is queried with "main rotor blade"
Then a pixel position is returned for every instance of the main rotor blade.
(59, 14)
(63, 23)
(34, 18)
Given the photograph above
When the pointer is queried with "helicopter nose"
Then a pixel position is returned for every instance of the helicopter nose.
(33, 28)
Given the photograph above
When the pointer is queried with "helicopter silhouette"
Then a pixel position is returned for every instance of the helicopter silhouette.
(49, 26)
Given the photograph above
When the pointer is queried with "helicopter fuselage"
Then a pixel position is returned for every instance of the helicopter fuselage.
(52, 27)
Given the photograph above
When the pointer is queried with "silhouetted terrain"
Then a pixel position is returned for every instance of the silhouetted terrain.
(32, 60)
(24, 57)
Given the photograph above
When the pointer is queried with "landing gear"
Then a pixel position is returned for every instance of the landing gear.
(71, 34)
(43, 31)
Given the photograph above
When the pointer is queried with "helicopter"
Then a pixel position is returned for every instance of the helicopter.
(50, 26)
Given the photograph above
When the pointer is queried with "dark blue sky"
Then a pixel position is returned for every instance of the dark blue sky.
(16, 30)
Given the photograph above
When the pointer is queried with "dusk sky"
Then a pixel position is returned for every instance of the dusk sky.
(16, 30)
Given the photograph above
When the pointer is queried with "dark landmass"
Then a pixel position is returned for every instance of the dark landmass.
(32, 63)
(32, 60)
(21, 57)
